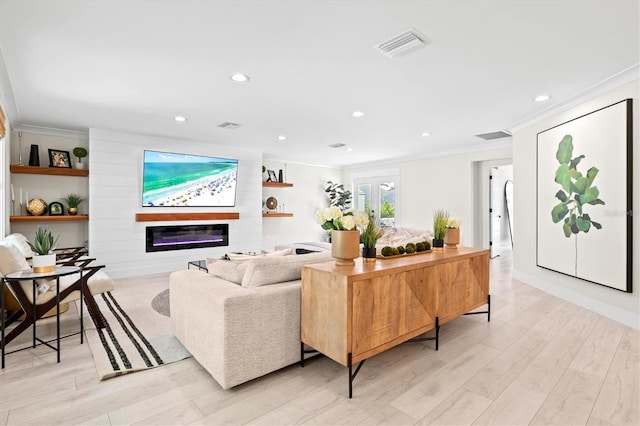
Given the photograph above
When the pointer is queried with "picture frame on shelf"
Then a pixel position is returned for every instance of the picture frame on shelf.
(56, 209)
(59, 158)
(272, 176)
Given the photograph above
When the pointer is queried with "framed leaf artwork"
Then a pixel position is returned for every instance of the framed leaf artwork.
(584, 203)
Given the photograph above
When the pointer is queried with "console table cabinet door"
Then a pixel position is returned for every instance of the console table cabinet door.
(390, 309)
(463, 286)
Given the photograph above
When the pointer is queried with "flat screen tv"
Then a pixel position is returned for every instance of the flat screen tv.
(184, 180)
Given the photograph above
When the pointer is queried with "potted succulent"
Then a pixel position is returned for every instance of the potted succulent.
(370, 236)
(80, 152)
(43, 245)
(73, 201)
(440, 222)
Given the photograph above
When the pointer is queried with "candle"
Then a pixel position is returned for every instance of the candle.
(26, 197)
(13, 196)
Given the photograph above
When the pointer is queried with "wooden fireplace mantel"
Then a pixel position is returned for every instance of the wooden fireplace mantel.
(159, 217)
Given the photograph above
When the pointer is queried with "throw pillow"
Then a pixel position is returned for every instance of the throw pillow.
(20, 242)
(229, 270)
(264, 271)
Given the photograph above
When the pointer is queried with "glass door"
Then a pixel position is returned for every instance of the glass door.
(378, 195)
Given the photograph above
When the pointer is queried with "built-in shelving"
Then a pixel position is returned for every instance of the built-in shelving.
(51, 171)
(61, 218)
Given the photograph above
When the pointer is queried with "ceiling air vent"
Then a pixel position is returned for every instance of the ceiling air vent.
(498, 134)
(337, 145)
(402, 43)
(228, 125)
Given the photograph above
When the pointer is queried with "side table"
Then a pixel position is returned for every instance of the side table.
(28, 274)
(200, 264)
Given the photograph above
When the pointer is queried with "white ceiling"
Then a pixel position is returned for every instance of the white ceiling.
(134, 65)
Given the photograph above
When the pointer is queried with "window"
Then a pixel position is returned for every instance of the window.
(378, 193)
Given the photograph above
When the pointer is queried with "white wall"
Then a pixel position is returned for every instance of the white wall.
(620, 306)
(437, 183)
(303, 200)
(115, 180)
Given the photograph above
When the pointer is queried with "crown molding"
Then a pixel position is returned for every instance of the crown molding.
(623, 77)
(52, 131)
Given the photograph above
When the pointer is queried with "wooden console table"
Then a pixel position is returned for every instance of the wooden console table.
(351, 313)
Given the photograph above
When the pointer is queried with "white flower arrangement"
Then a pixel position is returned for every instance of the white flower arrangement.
(454, 222)
(332, 218)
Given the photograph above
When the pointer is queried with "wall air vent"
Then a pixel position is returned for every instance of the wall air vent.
(337, 145)
(498, 134)
(402, 43)
(228, 125)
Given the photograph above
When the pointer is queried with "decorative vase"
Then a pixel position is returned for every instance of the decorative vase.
(80, 166)
(369, 254)
(44, 263)
(72, 211)
(34, 156)
(438, 244)
(452, 238)
(345, 246)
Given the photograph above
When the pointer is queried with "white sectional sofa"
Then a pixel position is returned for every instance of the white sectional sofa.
(241, 320)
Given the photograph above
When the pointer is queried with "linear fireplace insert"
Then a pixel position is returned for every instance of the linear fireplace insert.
(165, 238)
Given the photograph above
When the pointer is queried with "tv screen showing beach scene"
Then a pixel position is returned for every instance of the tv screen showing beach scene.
(183, 180)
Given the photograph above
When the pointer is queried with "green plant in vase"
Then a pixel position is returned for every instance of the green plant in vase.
(73, 201)
(440, 222)
(370, 236)
(80, 153)
(43, 245)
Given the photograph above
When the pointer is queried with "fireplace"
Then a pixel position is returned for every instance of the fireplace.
(165, 238)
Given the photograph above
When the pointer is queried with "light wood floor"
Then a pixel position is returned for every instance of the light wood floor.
(540, 360)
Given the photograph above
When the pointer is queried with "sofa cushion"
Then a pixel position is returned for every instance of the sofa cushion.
(271, 270)
(230, 270)
(20, 242)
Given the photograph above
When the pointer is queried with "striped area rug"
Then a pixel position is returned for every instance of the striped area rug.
(136, 337)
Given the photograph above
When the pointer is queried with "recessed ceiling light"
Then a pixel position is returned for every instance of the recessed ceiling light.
(542, 98)
(349, 149)
(180, 118)
(425, 134)
(357, 113)
(241, 78)
(282, 138)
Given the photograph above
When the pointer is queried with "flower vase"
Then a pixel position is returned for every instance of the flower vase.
(369, 254)
(345, 246)
(452, 238)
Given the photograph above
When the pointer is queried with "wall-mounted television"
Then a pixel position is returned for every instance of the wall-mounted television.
(184, 180)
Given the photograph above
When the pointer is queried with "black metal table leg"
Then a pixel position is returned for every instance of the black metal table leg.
(57, 317)
(354, 374)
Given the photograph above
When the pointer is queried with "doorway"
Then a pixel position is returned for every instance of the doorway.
(491, 219)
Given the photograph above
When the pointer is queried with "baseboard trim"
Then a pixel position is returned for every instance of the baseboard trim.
(614, 312)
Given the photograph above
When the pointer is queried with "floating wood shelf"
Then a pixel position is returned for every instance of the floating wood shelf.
(63, 218)
(158, 217)
(51, 171)
(277, 214)
(277, 184)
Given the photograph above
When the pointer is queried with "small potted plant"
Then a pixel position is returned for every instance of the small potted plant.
(452, 237)
(370, 236)
(73, 201)
(43, 245)
(80, 152)
(440, 222)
